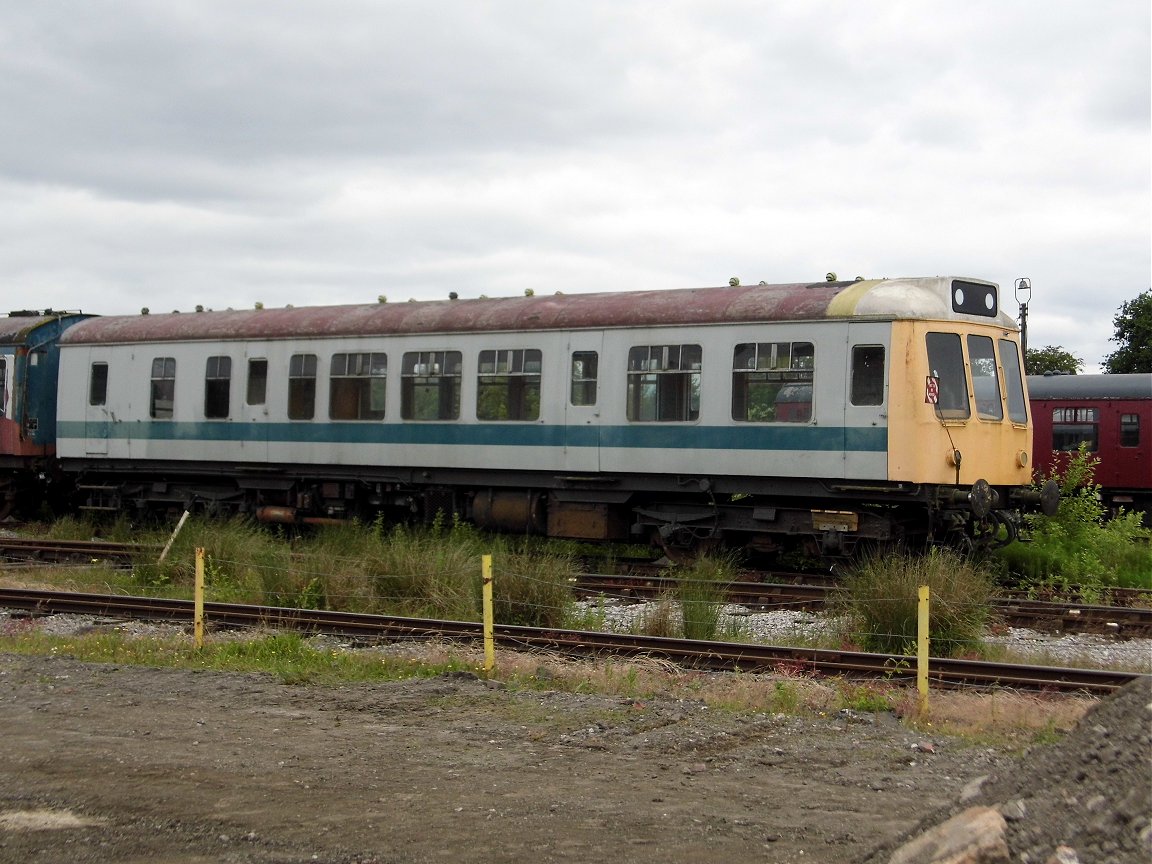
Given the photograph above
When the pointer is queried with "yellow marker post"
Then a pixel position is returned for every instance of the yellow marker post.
(489, 639)
(198, 603)
(922, 649)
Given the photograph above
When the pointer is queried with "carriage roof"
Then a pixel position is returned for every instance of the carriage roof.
(1082, 387)
(888, 299)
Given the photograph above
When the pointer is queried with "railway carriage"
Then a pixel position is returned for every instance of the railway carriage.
(29, 363)
(1111, 415)
(820, 413)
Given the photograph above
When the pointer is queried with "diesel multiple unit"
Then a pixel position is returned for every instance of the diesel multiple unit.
(815, 414)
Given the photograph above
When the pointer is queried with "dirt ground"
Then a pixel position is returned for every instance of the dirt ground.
(109, 763)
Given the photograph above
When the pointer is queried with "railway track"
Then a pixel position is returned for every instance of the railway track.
(717, 656)
(1127, 619)
(1131, 621)
(38, 550)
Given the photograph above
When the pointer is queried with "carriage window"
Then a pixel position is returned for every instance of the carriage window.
(357, 386)
(3, 387)
(584, 364)
(430, 385)
(985, 379)
(867, 375)
(946, 365)
(1072, 427)
(217, 383)
(302, 387)
(97, 384)
(664, 383)
(1129, 430)
(163, 388)
(772, 382)
(1013, 381)
(508, 385)
(257, 381)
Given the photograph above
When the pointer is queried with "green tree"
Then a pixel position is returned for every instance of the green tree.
(1052, 358)
(1133, 336)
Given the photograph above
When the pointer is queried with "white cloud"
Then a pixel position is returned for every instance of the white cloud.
(224, 153)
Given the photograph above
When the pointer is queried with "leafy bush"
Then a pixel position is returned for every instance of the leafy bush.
(1079, 545)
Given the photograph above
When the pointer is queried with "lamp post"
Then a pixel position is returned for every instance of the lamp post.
(1023, 295)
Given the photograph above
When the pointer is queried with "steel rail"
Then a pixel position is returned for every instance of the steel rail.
(1017, 612)
(718, 656)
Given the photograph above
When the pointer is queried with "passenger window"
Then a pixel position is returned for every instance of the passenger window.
(946, 366)
(772, 382)
(867, 386)
(217, 384)
(1072, 427)
(985, 378)
(664, 383)
(3, 387)
(1013, 381)
(357, 386)
(1129, 430)
(163, 396)
(430, 385)
(508, 385)
(584, 367)
(97, 384)
(302, 387)
(257, 390)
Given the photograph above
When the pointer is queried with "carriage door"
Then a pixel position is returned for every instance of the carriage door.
(866, 405)
(97, 419)
(253, 409)
(583, 400)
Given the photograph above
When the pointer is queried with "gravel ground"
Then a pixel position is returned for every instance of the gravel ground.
(108, 763)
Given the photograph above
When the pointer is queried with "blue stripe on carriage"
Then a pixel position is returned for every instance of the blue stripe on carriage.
(660, 437)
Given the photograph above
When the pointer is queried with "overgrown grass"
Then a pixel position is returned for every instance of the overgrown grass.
(881, 599)
(703, 594)
(432, 571)
(1079, 545)
(287, 656)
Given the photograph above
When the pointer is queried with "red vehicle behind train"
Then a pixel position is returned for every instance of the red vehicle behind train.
(1112, 414)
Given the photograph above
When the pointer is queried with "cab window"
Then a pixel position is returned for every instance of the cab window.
(946, 366)
(1013, 381)
(985, 379)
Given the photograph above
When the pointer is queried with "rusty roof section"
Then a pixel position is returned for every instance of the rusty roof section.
(16, 328)
(685, 306)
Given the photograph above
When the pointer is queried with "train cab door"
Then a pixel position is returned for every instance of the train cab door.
(97, 412)
(866, 406)
(583, 399)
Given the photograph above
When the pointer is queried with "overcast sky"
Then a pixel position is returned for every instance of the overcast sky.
(225, 152)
